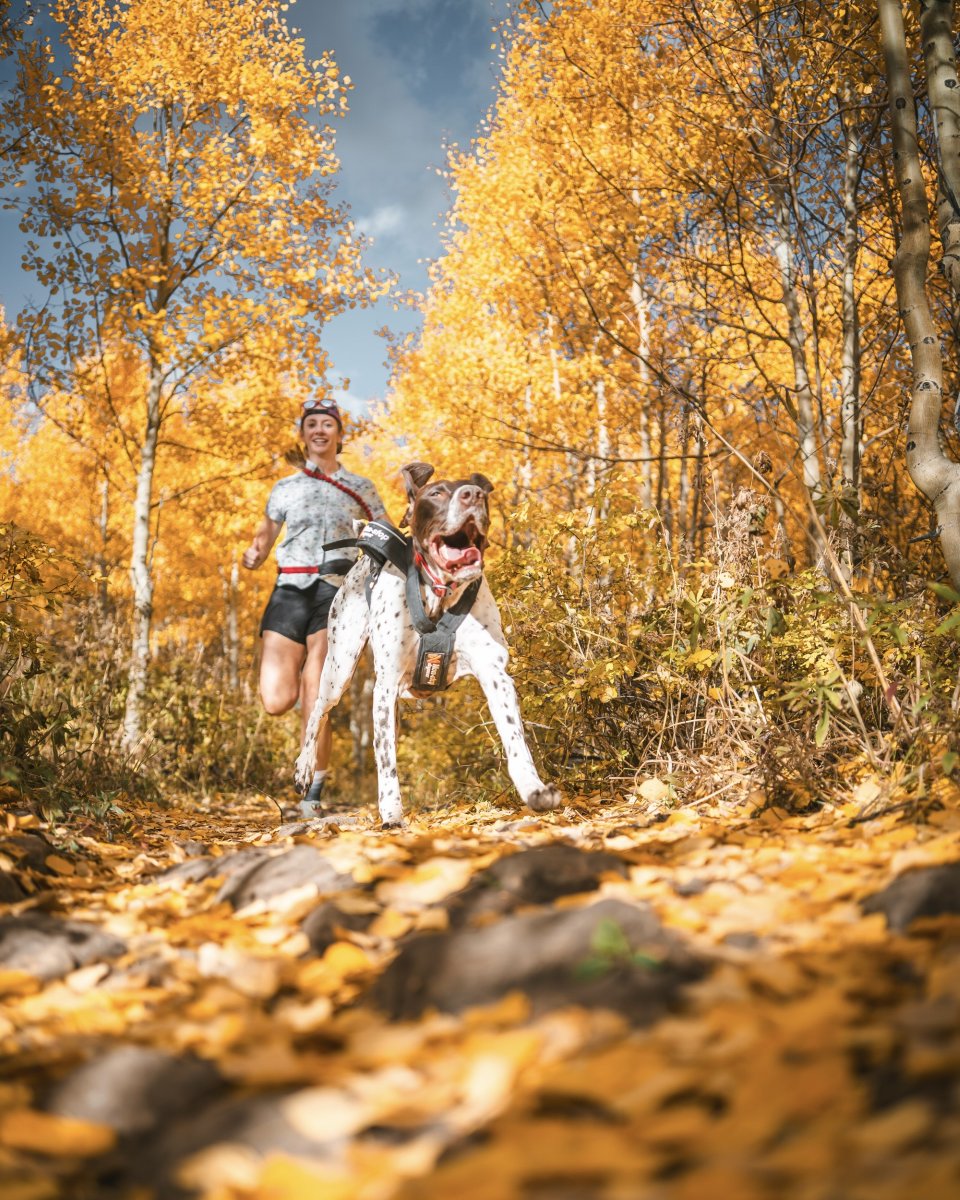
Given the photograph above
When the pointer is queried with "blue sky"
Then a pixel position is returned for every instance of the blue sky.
(424, 76)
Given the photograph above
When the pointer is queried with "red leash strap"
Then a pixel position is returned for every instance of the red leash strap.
(368, 512)
(439, 588)
(297, 570)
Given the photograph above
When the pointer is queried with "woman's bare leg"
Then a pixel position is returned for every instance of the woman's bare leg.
(290, 671)
(281, 662)
(309, 686)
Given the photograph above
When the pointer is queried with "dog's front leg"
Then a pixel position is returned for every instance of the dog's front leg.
(385, 751)
(498, 687)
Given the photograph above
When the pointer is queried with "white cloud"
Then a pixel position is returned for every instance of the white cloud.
(383, 221)
(349, 401)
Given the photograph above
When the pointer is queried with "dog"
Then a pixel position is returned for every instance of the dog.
(449, 521)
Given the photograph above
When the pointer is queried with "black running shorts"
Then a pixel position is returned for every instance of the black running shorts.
(297, 612)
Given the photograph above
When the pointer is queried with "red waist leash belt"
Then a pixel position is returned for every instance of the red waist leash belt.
(336, 566)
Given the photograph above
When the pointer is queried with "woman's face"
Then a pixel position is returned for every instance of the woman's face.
(320, 433)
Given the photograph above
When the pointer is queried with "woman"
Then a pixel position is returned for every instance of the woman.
(318, 504)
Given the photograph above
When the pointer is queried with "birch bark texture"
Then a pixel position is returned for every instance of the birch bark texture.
(935, 475)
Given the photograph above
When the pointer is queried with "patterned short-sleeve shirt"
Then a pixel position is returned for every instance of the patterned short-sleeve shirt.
(316, 512)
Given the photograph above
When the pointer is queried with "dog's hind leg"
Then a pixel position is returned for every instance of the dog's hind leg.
(348, 630)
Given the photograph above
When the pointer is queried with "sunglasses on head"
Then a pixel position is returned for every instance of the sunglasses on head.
(321, 405)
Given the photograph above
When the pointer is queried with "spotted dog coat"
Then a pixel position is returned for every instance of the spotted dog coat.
(449, 522)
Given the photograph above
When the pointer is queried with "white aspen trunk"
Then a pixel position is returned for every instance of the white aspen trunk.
(103, 594)
(601, 454)
(940, 60)
(683, 497)
(603, 440)
(850, 352)
(525, 474)
(571, 554)
(936, 476)
(698, 483)
(796, 340)
(641, 309)
(936, 25)
(224, 635)
(233, 634)
(663, 505)
(781, 538)
(850, 355)
(141, 575)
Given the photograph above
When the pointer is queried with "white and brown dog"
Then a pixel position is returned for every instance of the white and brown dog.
(448, 522)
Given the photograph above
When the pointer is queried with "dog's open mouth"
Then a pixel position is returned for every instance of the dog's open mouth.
(458, 551)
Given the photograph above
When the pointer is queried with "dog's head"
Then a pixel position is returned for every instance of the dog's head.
(449, 520)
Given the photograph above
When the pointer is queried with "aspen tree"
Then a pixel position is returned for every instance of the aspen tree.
(179, 205)
(935, 475)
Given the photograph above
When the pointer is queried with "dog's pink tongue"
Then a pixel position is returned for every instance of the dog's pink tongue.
(452, 558)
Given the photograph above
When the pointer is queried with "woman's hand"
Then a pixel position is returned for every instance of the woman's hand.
(256, 553)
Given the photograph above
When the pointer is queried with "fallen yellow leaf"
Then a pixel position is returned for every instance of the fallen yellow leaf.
(391, 925)
(429, 883)
(61, 865)
(434, 920)
(47, 1133)
(326, 975)
(285, 1179)
(18, 983)
(225, 1165)
(29, 1189)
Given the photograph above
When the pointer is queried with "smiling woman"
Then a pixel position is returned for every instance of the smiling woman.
(318, 505)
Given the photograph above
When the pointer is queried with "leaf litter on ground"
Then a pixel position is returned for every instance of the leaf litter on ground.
(620, 999)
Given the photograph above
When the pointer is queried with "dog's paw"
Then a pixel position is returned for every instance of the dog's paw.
(391, 815)
(545, 799)
(303, 772)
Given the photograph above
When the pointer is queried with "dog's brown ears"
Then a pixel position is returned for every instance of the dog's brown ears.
(415, 475)
(482, 482)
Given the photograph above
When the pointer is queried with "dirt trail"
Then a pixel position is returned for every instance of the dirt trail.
(604, 1003)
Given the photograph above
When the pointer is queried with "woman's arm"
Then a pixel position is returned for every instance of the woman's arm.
(258, 550)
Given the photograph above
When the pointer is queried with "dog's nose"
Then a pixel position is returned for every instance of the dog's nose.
(468, 494)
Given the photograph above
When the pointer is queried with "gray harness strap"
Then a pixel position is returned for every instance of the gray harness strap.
(382, 543)
(436, 637)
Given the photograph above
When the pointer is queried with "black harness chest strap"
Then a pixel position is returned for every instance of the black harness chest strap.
(382, 542)
(436, 637)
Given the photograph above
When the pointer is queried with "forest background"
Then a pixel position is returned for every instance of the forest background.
(665, 324)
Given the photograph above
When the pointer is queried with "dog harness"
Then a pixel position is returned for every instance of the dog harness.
(383, 543)
(436, 637)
